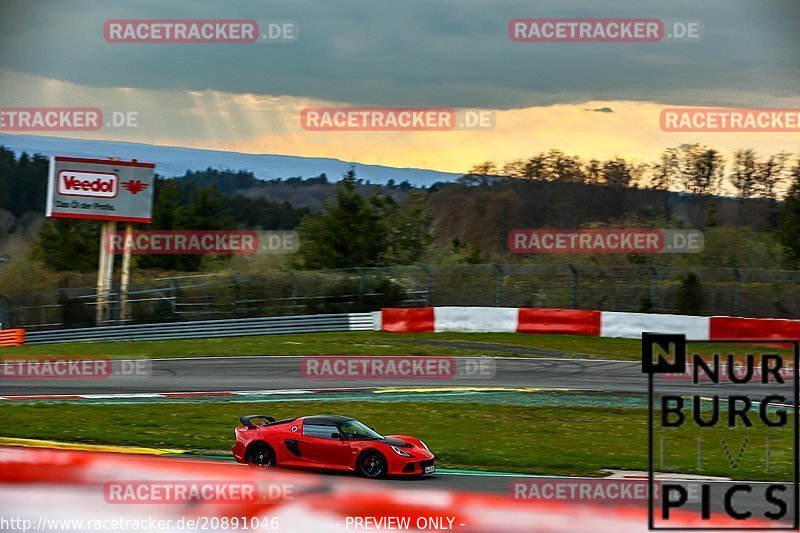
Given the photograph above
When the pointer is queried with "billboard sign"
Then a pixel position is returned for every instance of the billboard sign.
(100, 189)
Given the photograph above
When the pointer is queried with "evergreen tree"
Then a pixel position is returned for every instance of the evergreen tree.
(68, 245)
(691, 297)
(408, 234)
(789, 219)
(350, 232)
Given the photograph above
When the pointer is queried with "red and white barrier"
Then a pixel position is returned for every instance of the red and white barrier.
(631, 325)
(412, 320)
(87, 491)
(726, 327)
(580, 322)
(475, 319)
(565, 321)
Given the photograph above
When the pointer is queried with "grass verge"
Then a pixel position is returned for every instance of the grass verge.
(368, 343)
(352, 343)
(538, 440)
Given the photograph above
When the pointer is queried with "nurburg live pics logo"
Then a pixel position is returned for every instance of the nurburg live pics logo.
(749, 509)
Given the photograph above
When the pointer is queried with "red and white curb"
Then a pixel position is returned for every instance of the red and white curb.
(193, 394)
(283, 392)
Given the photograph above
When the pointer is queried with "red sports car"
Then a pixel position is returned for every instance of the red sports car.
(329, 442)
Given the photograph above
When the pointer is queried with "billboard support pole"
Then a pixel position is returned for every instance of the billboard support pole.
(111, 190)
(105, 271)
(127, 248)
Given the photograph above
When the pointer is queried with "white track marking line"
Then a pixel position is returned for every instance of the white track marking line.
(410, 389)
(226, 357)
(542, 476)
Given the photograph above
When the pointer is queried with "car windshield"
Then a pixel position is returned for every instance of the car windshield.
(355, 430)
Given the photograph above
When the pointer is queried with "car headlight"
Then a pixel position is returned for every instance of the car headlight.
(400, 451)
(424, 445)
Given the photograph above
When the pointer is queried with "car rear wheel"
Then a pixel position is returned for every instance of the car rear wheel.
(372, 465)
(260, 455)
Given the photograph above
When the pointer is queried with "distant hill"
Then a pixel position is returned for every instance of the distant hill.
(309, 192)
(174, 161)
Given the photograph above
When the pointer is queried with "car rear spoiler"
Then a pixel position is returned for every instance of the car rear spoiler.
(247, 420)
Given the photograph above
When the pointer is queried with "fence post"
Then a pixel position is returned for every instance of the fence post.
(5, 312)
(428, 284)
(295, 288)
(207, 298)
(62, 311)
(499, 281)
(654, 288)
(361, 283)
(174, 288)
(234, 282)
(737, 290)
(115, 309)
(574, 286)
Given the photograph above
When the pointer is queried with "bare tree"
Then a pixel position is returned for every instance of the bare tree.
(563, 168)
(769, 174)
(664, 171)
(699, 169)
(514, 169)
(487, 168)
(617, 173)
(638, 172)
(535, 167)
(743, 173)
(593, 172)
(480, 174)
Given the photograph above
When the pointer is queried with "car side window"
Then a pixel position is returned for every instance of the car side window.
(321, 432)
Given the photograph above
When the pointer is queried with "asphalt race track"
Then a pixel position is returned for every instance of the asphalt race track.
(754, 501)
(257, 373)
(270, 373)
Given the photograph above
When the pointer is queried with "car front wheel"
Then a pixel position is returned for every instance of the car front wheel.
(372, 465)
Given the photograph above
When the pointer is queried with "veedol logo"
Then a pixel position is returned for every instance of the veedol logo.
(134, 186)
(92, 184)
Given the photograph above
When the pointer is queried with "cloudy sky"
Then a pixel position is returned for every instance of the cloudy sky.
(590, 99)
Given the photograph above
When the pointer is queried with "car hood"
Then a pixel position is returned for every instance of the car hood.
(394, 441)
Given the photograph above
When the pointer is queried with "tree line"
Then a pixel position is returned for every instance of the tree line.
(370, 226)
(177, 205)
(691, 168)
(351, 230)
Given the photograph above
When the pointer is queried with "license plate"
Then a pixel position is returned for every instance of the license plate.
(430, 469)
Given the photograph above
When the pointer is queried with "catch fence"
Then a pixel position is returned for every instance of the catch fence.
(754, 293)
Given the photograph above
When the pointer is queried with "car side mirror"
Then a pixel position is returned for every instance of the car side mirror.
(372, 428)
(336, 436)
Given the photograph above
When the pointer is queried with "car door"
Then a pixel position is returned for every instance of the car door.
(319, 447)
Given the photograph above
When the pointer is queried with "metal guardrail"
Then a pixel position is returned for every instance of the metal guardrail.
(207, 328)
(626, 288)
